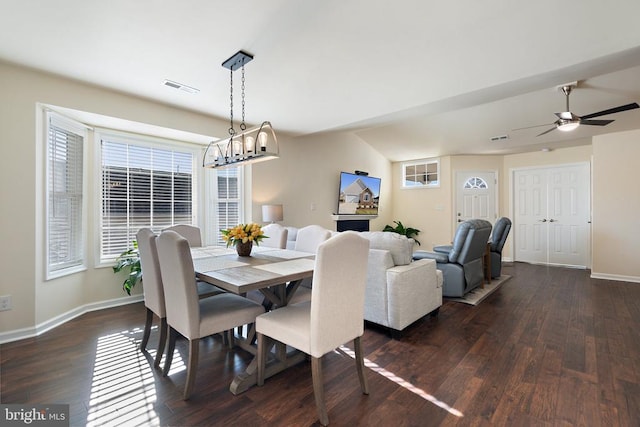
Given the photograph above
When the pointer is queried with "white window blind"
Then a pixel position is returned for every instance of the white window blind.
(143, 185)
(228, 197)
(65, 247)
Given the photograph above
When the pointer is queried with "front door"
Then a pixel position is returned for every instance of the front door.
(475, 196)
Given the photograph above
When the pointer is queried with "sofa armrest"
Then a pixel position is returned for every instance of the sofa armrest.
(437, 256)
(376, 297)
(413, 291)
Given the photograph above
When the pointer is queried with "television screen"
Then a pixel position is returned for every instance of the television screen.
(359, 194)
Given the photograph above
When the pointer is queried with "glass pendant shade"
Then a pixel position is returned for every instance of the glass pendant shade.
(251, 146)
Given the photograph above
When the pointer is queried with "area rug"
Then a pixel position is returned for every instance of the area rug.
(476, 296)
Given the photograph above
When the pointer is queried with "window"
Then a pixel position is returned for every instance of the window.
(64, 199)
(475, 183)
(228, 197)
(421, 174)
(144, 184)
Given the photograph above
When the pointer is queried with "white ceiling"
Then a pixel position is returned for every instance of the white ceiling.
(412, 78)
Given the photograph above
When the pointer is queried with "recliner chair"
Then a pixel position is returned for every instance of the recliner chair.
(498, 238)
(461, 266)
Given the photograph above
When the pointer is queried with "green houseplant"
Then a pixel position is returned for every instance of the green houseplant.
(401, 229)
(129, 260)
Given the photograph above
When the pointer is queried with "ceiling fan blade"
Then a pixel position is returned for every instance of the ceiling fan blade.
(596, 122)
(531, 127)
(612, 110)
(546, 131)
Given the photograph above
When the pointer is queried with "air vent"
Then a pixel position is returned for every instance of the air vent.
(180, 86)
(499, 138)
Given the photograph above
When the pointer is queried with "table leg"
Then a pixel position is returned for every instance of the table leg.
(278, 363)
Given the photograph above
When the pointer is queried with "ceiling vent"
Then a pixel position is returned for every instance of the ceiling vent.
(180, 86)
(499, 138)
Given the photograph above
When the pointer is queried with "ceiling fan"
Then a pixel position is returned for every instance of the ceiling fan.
(568, 121)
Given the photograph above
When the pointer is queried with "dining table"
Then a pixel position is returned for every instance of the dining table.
(276, 274)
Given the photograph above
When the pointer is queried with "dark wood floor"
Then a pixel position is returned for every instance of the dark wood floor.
(551, 347)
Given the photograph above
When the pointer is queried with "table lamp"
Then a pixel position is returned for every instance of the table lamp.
(272, 213)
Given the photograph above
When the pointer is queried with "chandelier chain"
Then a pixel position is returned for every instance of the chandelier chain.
(232, 131)
(243, 126)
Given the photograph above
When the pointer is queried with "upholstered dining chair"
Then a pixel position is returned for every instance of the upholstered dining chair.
(194, 237)
(333, 317)
(189, 232)
(277, 236)
(189, 316)
(498, 238)
(153, 291)
(310, 237)
(308, 240)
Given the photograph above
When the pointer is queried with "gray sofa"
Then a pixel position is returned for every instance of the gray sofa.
(461, 263)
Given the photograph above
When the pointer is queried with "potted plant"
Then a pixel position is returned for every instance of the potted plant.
(401, 229)
(129, 260)
(242, 237)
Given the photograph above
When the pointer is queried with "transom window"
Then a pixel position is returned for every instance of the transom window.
(421, 174)
(475, 183)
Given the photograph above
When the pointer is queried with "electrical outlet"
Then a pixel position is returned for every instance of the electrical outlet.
(5, 302)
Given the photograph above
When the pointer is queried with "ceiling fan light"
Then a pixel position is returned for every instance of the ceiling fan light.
(568, 125)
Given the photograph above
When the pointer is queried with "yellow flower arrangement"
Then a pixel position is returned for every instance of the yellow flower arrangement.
(243, 233)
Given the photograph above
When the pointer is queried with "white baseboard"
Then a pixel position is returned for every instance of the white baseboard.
(616, 277)
(19, 334)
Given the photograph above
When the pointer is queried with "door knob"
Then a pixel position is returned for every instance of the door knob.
(552, 220)
(459, 220)
(543, 220)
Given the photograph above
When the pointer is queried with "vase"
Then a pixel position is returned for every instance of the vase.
(244, 249)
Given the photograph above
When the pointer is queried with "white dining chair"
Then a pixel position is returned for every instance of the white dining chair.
(189, 232)
(334, 316)
(310, 237)
(154, 293)
(152, 289)
(189, 316)
(194, 237)
(308, 240)
(277, 236)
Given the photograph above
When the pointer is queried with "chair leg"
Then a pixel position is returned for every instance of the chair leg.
(173, 335)
(357, 345)
(318, 389)
(147, 330)
(261, 356)
(194, 349)
(162, 340)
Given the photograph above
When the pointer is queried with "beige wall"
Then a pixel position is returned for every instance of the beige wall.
(304, 180)
(431, 210)
(616, 206)
(36, 301)
(306, 174)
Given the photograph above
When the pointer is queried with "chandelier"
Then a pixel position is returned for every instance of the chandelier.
(248, 146)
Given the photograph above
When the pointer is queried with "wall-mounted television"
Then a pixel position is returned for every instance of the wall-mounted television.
(358, 195)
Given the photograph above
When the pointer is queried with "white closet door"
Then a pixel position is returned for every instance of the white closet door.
(530, 221)
(551, 222)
